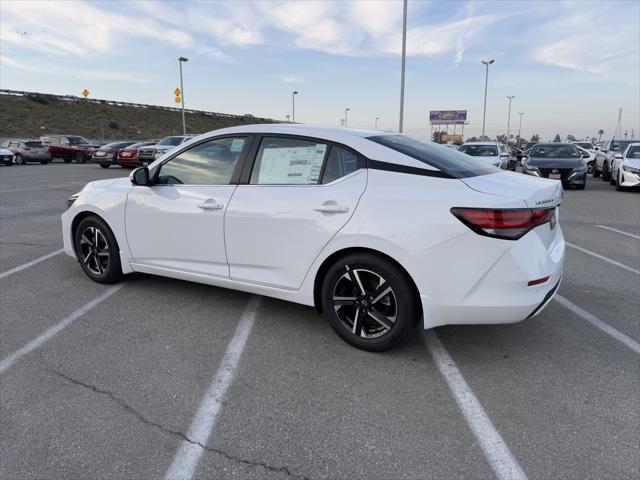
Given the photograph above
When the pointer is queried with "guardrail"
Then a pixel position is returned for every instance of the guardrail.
(73, 98)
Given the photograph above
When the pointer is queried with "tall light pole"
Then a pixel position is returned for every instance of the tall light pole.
(509, 116)
(346, 118)
(181, 60)
(486, 81)
(377, 118)
(404, 56)
(293, 106)
(519, 128)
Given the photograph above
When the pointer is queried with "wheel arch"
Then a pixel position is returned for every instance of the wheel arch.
(335, 256)
(81, 216)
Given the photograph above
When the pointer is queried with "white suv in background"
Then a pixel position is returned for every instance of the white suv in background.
(604, 156)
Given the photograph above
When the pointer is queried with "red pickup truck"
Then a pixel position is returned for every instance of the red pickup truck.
(69, 147)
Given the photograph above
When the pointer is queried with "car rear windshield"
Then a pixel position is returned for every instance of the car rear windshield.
(109, 146)
(555, 151)
(447, 160)
(34, 144)
(479, 150)
(170, 141)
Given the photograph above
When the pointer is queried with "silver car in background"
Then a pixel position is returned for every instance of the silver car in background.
(25, 151)
(604, 156)
(493, 153)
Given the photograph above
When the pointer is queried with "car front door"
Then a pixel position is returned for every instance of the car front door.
(177, 223)
(299, 193)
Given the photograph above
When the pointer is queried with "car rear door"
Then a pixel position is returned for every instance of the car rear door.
(178, 223)
(292, 199)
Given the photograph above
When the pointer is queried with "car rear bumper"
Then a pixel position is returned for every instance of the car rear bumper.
(107, 159)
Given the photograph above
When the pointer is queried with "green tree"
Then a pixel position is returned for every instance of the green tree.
(535, 138)
(571, 138)
(557, 139)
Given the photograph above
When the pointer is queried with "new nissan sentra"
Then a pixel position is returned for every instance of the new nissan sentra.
(558, 161)
(378, 231)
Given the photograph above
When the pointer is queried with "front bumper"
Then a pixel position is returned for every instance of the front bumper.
(629, 179)
(109, 158)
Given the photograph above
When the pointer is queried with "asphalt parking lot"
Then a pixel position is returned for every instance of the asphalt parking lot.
(112, 388)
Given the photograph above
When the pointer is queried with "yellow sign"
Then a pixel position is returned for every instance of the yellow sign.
(178, 100)
(85, 93)
(177, 91)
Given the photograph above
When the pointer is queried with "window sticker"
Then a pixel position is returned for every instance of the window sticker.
(291, 165)
(237, 144)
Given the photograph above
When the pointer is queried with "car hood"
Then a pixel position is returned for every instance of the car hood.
(491, 160)
(632, 162)
(536, 192)
(555, 162)
(108, 183)
(4, 151)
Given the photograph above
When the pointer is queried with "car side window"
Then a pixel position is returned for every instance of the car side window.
(341, 162)
(209, 163)
(288, 161)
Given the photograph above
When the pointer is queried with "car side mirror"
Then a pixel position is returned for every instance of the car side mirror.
(140, 176)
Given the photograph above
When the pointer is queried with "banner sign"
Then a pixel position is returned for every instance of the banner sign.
(442, 117)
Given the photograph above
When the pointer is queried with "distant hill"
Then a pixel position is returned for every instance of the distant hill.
(30, 114)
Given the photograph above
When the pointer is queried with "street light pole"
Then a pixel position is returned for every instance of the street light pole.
(377, 118)
(293, 106)
(346, 118)
(509, 116)
(486, 81)
(520, 128)
(404, 56)
(181, 60)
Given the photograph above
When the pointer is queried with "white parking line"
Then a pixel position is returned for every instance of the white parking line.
(188, 455)
(30, 264)
(58, 327)
(612, 262)
(596, 322)
(496, 451)
(619, 231)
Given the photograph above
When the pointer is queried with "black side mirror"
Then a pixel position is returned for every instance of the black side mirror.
(585, 155)
(140, 176)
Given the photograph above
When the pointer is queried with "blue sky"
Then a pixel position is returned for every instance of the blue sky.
(571, 65)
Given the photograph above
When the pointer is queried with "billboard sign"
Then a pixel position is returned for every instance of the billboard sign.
(443, 117)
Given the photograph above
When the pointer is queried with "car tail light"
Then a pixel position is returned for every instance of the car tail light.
(126, 153)
(27, 149)
(508, 224)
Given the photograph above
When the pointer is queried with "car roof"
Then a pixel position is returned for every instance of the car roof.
(482, 143)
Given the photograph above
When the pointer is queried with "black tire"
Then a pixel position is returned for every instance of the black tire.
(397, 309)
(78, 157)
(20, 159)
(100, 250)
(67, 160)
(596, 172)
(581, 187)
(9, 163)
(612, 179)
(105, 165)
(44, 162)
(619, 188)
(606, 174)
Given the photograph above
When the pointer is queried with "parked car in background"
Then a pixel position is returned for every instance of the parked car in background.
(588, 155)
(107, 154)
(493, 153)
(128, 157)
(69, 147)
(148, 154)
(557, 161)
(336, 218)
(6, 157)
(26, 151)
(604, 157)
(625, 172)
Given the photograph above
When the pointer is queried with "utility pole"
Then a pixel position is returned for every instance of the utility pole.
(486, 81)
(404, 56)
(346, 118)
(377, 118)
(293, 106)
(520, 128)
(182, 60)
(509, 116)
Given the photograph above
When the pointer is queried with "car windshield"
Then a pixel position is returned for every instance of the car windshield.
(445, 159)
(620, 145)
(34, 144)
(555, 151)
(633, 152)
(78, 141)
(585, 145)
(479, 150)
(171, 141)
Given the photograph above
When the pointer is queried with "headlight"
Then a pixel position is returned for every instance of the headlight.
(71, 200)
(630, 169)
(581, 168)
(532, 170)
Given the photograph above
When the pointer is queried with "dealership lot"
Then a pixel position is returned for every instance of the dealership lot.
(113, 390)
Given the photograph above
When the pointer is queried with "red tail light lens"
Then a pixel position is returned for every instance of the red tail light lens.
(126, 153)
(27, 149)
(508, 224)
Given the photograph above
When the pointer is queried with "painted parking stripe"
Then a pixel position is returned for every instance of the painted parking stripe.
(55, 329)
(596, 322)
(612, 262)
(619, 231)
(496, 451)
(30, 264)
(188, 455)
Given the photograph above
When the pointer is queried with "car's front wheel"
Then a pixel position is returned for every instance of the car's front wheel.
(619, 187)
(105, 165)
(369, 302)
(20, 159)
(97, 250)
(78, 157)
(596, 172)
(606, 174)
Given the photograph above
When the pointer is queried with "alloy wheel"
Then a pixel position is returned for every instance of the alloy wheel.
(94, 251)
(364, 303)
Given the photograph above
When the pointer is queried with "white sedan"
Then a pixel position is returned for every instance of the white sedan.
(625, 171)
(377, 230)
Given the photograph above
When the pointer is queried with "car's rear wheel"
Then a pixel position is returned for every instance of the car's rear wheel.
(67, 160)
(606, 175)
(97, 250)
(44, 162)
(20, 159)
(105, 165)
(78, 157)
(612, 177)
(369, 302)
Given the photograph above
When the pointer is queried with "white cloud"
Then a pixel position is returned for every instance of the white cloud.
(292, 79)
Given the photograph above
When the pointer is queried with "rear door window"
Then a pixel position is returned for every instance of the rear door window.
(341, 162)
(288, 161)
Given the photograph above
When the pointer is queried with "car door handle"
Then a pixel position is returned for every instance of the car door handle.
(332, 208)
(210, 204)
